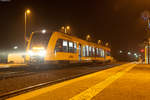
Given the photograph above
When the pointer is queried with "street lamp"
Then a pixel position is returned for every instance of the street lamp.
(88, 37)
(66, 29)
(15, 47)
(27, 12)
(43, 31)
(99, 42)
(120, 51)
(107, 44)
(129, 53)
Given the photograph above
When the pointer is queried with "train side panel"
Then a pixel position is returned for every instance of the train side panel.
(81, 51)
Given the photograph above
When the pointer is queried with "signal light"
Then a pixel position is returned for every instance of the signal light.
(142, 50)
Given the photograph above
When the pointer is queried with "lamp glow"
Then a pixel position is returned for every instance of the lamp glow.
(28, 11)
(44, 31)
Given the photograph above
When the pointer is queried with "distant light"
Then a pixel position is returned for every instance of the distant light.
(68, 27)
(88, 37)
(99, 42)
(44, 31)
(120, 51)
(142, 50)
(135, 54)
(15, 47)
(129, 53)
(107, 44)
(63, 28)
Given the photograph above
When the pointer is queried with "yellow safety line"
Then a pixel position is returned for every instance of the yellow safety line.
(94, 90)
(59, 85)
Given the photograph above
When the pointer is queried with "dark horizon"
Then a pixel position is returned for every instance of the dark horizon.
(117, 22)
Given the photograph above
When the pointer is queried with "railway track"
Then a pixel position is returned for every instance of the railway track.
(6, 73)
(14, 74)
(43, 84)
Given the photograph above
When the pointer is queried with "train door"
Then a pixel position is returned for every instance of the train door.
(79, 52)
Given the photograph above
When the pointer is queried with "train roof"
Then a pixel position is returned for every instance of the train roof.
(81, 40)
(74, 38)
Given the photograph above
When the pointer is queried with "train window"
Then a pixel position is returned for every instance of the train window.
(65, 43)
(75, 47)
(93, 51)
(99, 50)
(102, 53)
(65, 46)
(71, 46)
(87, 50)
(97, 53)
(83, 49)
(90, 51)
(39, 39)
(61, 46)
(58, 47)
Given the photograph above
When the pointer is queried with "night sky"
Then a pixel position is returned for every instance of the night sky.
(118, 22)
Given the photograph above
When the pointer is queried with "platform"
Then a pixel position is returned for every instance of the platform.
(125, 82)
(11, 65)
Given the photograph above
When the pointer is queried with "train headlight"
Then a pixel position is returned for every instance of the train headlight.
(42, 53)
(30, 53)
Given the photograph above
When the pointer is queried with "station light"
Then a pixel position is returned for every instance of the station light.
(88, 37)
(135, 54)
(68, 27)
(43, 31)
(107, 44)
(99, 42)
(129, 53)
(62, 27)
(28, 11)
(120, 51)
(15, 47)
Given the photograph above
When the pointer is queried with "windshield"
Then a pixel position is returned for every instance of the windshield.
(39, 39)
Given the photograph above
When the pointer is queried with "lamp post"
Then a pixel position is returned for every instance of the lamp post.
(148, 42)
(88, 37)
(27, 12)
(146, 17)
(66, 29)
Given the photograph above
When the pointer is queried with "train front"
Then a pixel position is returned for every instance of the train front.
(37, 47)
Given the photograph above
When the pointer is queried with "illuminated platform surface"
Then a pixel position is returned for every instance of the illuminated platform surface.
(126, 82)
(11, 65)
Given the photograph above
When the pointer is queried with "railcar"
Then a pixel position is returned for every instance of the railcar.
(55, 47)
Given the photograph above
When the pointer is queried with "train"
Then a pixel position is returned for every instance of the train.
(46, 47)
